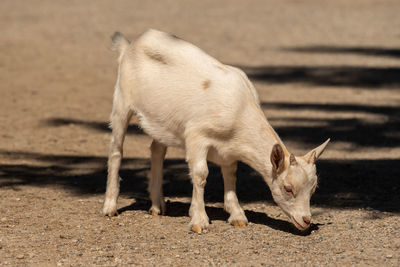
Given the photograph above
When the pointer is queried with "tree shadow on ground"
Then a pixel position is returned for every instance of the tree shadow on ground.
(343, 183)
(94, 125)
(384, 132)
(338, 76)
(357, 50)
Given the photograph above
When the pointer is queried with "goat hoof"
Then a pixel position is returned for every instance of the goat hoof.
(111, 214)
(239, 223)
(196, 229)
(154, 212)
(109, 208)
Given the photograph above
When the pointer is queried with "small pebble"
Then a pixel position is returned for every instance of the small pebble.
(20, 256)
(389, 256)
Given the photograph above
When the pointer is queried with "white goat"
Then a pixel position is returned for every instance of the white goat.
(185, 98)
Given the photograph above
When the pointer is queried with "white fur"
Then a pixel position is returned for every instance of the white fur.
(186, 98)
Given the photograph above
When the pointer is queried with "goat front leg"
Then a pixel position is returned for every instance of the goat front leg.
(231, 203)
(196, 155)
(158, 151)
(119, 123)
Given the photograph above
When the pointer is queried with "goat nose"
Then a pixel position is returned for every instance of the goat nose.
(307, 219)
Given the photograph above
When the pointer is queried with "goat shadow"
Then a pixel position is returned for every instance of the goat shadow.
(180, 209)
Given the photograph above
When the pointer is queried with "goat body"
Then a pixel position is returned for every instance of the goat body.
(185, 98)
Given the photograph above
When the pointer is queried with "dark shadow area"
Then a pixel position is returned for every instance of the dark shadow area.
(339, 76)
(277, 224)
(357, 50)
(180, 209)
(94, 125)
(176, 209)
(358, 132)
(359, 183)
(342, 184)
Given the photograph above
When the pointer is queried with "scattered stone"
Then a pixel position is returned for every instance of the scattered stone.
(338, 251)
(389, 256)
(77, 240)
(20, 256)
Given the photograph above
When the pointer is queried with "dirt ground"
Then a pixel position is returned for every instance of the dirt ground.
(322, 68)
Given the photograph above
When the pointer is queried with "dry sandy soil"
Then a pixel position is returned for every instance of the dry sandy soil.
(322, 68)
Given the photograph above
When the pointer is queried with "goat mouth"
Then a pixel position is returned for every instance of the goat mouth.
(299, 226)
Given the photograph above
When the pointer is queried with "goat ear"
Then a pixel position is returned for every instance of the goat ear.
(314, 154)
(277, 158)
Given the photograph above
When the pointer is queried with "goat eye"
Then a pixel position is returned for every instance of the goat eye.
(288, 189)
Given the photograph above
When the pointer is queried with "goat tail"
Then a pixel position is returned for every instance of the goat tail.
(119, 43)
